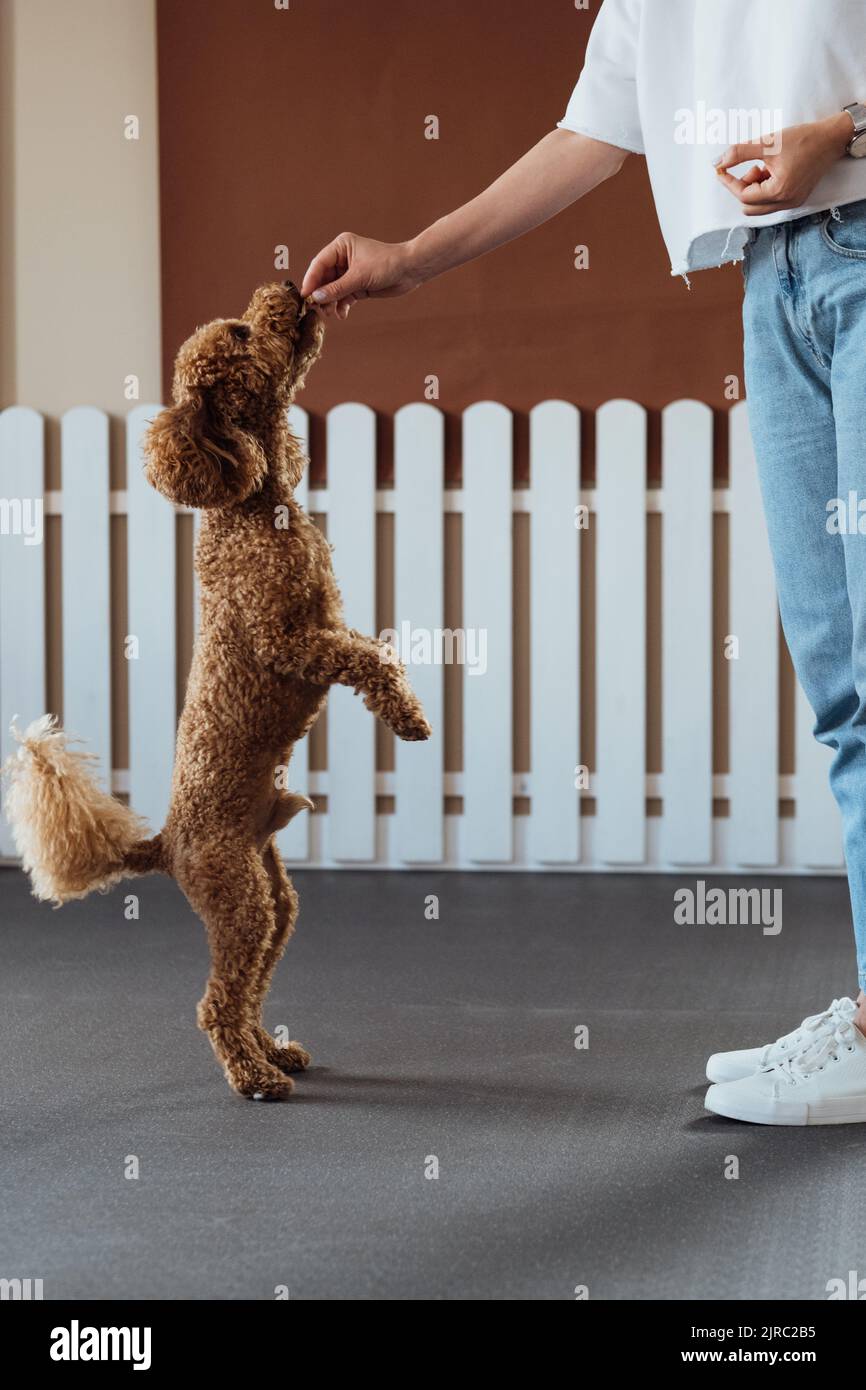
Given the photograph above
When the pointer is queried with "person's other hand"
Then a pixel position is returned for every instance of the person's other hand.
(794, 159)
(354, 267)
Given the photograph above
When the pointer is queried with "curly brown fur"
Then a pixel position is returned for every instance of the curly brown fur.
(271, 641)
(72, 836)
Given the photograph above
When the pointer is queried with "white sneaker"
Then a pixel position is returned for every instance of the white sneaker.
(824, 1084)
(731, 1066)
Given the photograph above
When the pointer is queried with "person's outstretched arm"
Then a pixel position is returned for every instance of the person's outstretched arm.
(556, 172)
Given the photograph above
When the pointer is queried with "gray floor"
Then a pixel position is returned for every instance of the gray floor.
(451, 1039)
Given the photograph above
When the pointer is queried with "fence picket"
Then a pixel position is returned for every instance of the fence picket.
(554, 447)
(419, 438)
(621, 632)
(294, 841)
(86, 579)
(352, 532)
(687, 633)
(22, 579)
(487, 568)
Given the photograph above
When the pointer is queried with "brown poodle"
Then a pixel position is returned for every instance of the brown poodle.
(271, 641)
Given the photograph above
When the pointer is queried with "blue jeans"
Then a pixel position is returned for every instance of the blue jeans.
(804, 316)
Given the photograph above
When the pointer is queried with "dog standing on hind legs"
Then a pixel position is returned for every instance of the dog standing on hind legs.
(271, 642)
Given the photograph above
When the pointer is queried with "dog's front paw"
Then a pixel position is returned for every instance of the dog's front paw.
(408, 719)
(413, 730)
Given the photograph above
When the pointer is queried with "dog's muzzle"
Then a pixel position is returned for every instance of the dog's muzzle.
(303, 305)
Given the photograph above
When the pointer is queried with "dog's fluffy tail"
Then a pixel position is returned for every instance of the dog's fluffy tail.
(72, 836)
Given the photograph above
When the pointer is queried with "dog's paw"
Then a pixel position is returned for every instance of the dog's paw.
(414, 731)
(410, 723)
(294, 1057)
(274, 1091)
(259, 1083)
(274, 1085)
(289, 1057)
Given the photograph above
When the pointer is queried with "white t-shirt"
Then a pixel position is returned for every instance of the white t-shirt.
(681, 80)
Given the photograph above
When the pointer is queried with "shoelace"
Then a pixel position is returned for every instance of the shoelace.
(815, 1055)
(815, 1023)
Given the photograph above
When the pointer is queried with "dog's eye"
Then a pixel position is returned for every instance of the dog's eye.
(240, 331)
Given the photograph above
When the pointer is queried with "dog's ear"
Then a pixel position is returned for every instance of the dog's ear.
(196, 460)
(308, 347)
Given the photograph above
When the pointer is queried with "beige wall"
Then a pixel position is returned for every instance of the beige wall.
(79, 247)
(80, 232)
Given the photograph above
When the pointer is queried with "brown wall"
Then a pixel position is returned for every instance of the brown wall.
(288, 126)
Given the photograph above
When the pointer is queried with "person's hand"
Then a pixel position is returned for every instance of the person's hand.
(354, 267)
(794, 160)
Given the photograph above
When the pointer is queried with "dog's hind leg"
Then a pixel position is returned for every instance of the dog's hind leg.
(289, 1056)
(230, 889)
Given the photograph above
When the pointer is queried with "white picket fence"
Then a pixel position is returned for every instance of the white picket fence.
(487, 834)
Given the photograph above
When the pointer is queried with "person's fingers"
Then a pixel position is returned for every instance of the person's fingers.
(734, 185)
(334, 292)
(349, 269)
(739, 154)
(326, 266)
(347, 284)
(753, 178)
(756, 175)
(759, 209)
(329, 265)
(344, 305)
(770, 195)
(765, 192)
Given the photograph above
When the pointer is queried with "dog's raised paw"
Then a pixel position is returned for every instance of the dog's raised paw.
(417, 734)
(413, 729)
